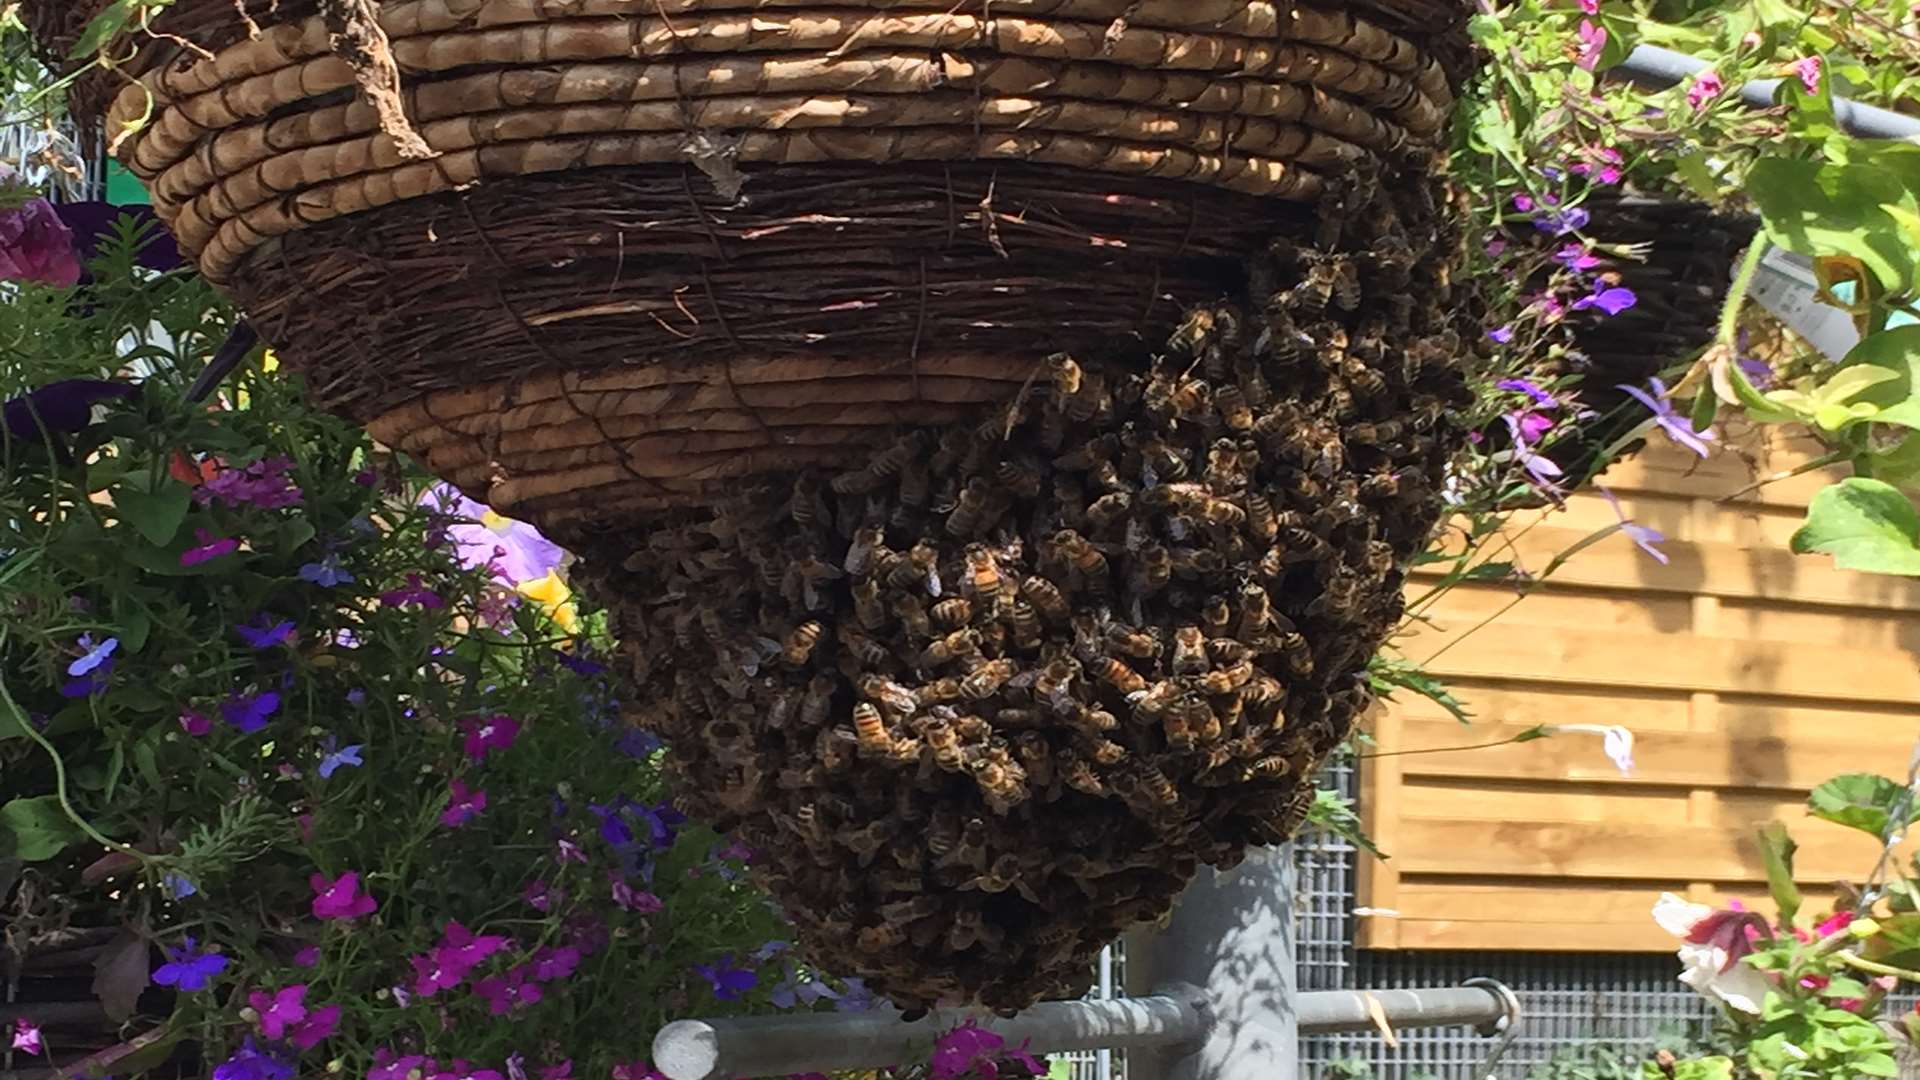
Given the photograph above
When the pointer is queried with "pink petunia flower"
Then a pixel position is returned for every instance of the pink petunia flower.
(1593, 42)
(340, 898)
(35, 245)
(1808, 68)
(1705, 89)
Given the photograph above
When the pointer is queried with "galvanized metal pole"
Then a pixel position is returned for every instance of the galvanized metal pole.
(1103, 1057)
(1231, 938)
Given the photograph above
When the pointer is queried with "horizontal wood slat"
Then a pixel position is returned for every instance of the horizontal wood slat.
(1748, 675)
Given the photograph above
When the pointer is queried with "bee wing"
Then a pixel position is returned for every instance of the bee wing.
(933, 583)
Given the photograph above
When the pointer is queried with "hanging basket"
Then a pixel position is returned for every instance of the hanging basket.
(834, 338)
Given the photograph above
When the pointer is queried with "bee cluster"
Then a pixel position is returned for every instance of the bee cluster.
(994, 698)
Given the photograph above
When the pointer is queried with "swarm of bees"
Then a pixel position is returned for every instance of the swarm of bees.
(997, 696)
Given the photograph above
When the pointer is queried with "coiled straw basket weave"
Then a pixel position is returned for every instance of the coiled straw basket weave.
(834, 338)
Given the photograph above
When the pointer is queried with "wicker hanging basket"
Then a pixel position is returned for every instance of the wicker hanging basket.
(834, 338)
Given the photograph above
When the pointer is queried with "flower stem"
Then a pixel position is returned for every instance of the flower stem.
(14, 712)
(1874, 967)
(1737, 293)
(1526, 736)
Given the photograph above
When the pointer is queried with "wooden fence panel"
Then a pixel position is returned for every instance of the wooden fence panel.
(1747, 674)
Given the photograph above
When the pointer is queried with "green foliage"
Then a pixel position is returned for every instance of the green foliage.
(164, 760)
(1335, 814)
(1872, 804)
(1865, 525)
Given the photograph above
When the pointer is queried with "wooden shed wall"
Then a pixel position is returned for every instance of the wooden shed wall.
(1748, 675)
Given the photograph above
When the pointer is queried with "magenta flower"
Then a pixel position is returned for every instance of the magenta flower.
(566, 851)
(1576, 257)
(483, 734)
(1562, 222)
(1677, 427)
(340, 898)
(966, 1049)
(248, 713)
(1590, 7)
(729, 983)
(514, 551)
(1705, 89)
(210, 548)
(412, 593)
(1645, 537)
(264, 635)
(195, 723)
(279, 1010)
(464, 804)
(463, 948)
(562, 1071)
(263, 484)
(318, 1026)
(1593, 42)
(1611, 300)
(1524, 386)
(386, 1066)
(636, 1070)
(1808, 68)
(506, 993)
(307, 957)
(635, 900)
(555, 962)
(189, 968)
(538, 895)
(26, 1036)
(35, 245)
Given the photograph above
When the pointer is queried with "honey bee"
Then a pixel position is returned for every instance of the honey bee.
(913, 618)
(966, 931)
(1078, 773)
(1340, 597)
(987, 679)
(956, 644)
(810, 826)
(954, 444)
(871, 729)
(1262, 523)
(1139, 644)
(1018, 718)
(1226, 650)
(1088, 454)
(1119, 675)
(1231, 403)
(1084, 558)
(819, 699)
(1036, 756)
(915, 485)
(1216, 616)
(801, 642)
(1189, 651)
(1108, 509)
(863, 648)
(971, 851)
(866, 543)
(1297, 654)
(835, 748)
(867, 607)
(941, 690)
(983, 572)
(1193, 332)
(1346, 284)
(1373, 434)
(1046, 598)
(1152, 571)
(1019, 477)
(877, 939)
(1054, 680)
(1026, 624)
(890, 695)
(807, 505)
(953, 613)
(920, 570)
(903, 912)
(969, 518)
(1066, 377)
(1309, 298)
(1272, 767)
(1092, 398)
(898, 456)
(1228, 679)
(866, 840)
(1156, 785)
(943, 832)
(1161, 464)
(1363, 379)
(1003, 783)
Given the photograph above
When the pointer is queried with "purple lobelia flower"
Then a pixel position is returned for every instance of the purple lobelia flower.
(92, 655)
(412, 593)
(963, 1050)
(1562, 222)
(729, 983)
(326, 573)
(1611, 300)
(263, 484)
(1645, 537)
(210, 547)
(1677, 427)
(333, 757)
(265, 634)
(1576, 257)
(248, 713)
(319, 1025)
(189, 968)
(505, 993)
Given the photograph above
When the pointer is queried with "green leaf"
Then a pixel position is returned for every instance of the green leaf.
(1895, 350)
(40, 829)
(1818, 208)
(158, 515)
(1876, 1065)
(1842, 987)
(1865, 525)
(1833, 404)
(1693, 171)
(1898, 942)
(1388, 674)
(1712, 1068)
(1861, 801)
(1776, 852)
